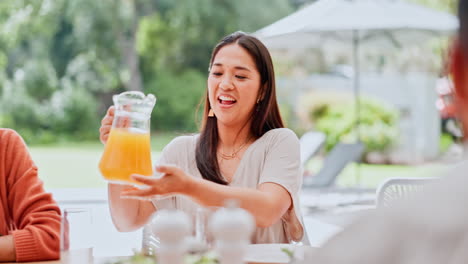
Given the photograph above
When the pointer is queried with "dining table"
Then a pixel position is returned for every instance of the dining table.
(255, 254)
(111, 260)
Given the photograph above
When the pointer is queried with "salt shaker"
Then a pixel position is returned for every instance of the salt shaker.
(232, 229)
(171, 227)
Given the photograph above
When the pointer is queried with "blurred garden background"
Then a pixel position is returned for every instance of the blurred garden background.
(62, 60)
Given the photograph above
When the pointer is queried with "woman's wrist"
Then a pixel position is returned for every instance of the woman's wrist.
(191, 185)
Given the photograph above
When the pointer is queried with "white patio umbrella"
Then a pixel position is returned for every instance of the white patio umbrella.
(380, 23)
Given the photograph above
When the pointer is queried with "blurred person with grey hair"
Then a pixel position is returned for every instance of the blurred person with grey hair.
(432, 226)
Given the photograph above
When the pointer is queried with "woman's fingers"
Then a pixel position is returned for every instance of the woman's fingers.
(167, 169)
(148, 188)
(177, 182)
(147, 180)
(110, 111)
(104, 133)
(106, 124)
(109, 117)
(104, 129)
(107, 120)
(104, 138)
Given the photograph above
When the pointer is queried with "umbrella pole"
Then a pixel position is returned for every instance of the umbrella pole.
(357, 105)
(356, 84)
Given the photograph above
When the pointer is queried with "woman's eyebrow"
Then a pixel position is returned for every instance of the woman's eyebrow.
(236, 67)
(241, 68)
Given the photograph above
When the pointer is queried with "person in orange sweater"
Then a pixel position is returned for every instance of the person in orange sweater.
(29, 217)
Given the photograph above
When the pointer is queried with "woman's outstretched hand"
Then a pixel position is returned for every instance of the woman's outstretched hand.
(173, 181)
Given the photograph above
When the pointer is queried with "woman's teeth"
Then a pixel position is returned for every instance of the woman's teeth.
(226, 100)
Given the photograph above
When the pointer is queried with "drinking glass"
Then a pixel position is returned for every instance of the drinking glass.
(76, 236)
(202, 239)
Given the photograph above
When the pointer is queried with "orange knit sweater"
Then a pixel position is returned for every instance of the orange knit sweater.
(27, 212)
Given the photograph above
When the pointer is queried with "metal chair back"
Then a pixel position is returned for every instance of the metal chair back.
(394, 189)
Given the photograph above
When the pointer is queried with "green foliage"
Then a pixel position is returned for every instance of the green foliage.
(378, 123)
(27, 116)
(183, 34)
(441, 5)
(61, 60)
(74, 113)
(157, 43)
(68, 113)
(445, 142)
(19, 107)
(139, 258)
(94, 74)
(40, 81)
(288, 252)
(286, 114)
(178, 96)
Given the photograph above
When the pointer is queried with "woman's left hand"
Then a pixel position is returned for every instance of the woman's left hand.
(173, 181)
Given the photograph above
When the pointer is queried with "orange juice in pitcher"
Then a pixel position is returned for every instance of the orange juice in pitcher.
(128, 150)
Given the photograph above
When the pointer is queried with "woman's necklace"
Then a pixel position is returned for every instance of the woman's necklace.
(234, 153)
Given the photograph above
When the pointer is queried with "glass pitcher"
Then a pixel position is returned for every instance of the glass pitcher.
(128, 150)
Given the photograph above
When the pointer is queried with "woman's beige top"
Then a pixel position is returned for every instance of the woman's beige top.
(274, 157)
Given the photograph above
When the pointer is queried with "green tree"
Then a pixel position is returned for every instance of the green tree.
(61, 60)
(175, 46)
(178, 97)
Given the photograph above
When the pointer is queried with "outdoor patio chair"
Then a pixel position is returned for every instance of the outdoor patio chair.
(394, 189)
(340, 156)
(311, 142)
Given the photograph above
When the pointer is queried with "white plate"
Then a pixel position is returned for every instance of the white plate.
(268, 253)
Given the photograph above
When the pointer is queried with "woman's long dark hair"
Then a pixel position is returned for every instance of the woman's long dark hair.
(265, 117)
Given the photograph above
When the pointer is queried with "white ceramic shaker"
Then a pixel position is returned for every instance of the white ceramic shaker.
(171, 227)
(232, 228)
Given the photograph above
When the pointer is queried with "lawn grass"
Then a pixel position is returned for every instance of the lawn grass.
(371, 175)
(75, 165)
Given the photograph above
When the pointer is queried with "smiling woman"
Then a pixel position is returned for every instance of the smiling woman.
(243, 151)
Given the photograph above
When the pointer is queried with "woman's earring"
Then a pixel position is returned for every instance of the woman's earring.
(211, 113)
(258, 105)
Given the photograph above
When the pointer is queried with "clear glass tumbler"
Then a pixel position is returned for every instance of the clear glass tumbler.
(76, 236)
(202, 239)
